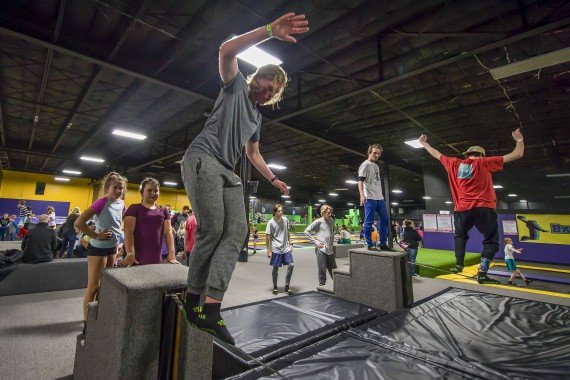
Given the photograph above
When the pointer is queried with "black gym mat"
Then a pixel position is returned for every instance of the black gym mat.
(457, 334)
(270, 329)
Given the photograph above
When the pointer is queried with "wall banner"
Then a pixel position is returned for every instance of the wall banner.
(544, 228)
(430, 222)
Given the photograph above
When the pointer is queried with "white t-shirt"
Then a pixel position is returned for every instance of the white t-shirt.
(278, 235)
(509, 250)
(344, 234)
(372, 183)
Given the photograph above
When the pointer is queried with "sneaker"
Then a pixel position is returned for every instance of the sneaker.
(275, 291)
(416, 275)
(385, 247)
(456, 269)
(321, 284)
(288, 291)
(373, 248)
(484, 279)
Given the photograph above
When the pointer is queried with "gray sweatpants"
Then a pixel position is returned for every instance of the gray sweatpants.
(216, 195)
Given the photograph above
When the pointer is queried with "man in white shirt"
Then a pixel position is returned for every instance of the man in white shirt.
(279, 247)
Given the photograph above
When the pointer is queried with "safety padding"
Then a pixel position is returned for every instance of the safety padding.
(45, 277)
(273, 328)
(341, 250)
(377, 279)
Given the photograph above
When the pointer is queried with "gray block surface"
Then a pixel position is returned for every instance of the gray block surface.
(341, 250)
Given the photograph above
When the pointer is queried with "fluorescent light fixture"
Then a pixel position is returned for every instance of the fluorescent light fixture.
(92, 159)
(257, 57)
(333, 194)
(76, 172)
(322, 200)
(426, 197)
(285, 196)
(448, 202)
(170, 183)
(535, 63)
(61, 179)
(396, 191)
(317, 204)
(288, 201)
(523, 200)
(277, 167)
(131, 135)
(558, 175)
(394, 203)
(341, 189)
(497, 187)
(561, 196)
(351, 181)
(289, 187)
(415, 143)
(252, 197)
(350, 204)
(512, 195)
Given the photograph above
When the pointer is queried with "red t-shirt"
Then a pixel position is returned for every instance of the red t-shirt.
(471, 181)
(190, 230)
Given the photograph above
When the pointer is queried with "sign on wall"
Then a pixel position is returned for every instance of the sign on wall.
(430, 222)
(544, 228)
(510, 227)
(444, 223)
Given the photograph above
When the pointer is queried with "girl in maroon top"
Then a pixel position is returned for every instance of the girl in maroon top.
(145, 225)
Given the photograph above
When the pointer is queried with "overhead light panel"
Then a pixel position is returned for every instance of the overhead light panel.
(351, 181)
(497, 187)
(170, 183)
(396, 191)
(61, 179)
(277, 166)
(414, 143)
(350, 204)
(512, 195)
(252, 197)
(288, 201)
(333, 194)
(535, 63)
(394, 203)
(522, 200)
(285, 196)
(448, 202)
(558, 175)
(426, 197)
(257, 57)
(74, 172)
(92, 159)
(131, 135)
(341, 189)
(561, 196)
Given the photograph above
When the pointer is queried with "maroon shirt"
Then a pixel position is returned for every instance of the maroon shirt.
(148, 232)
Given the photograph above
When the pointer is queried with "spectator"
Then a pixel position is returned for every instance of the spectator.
(25, 215)
(320, 232)
(413, 238)
(279, 247)
(255, 237)
(39, 244)
(145, 226)
(81, 249)
(180, 218)
(13, 228)
(69, 234)
(344, 235)
(189, 234)
(51, 214)
(4, 222)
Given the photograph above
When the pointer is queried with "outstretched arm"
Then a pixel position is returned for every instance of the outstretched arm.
(434, 152)
(284, 28)
(518, 152)
(252, 152)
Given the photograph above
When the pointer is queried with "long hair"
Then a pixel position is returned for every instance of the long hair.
(277, 75)
(108, 180)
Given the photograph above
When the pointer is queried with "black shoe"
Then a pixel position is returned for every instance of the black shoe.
(210, 321)
(192, 308)
(385, 247)
(288, 290)
(275, 291)
(375, 249)
(510, 283)
(457, 269)
(482, 278)
(527, 281)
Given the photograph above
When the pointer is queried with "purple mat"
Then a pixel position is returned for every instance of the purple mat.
(532, 277)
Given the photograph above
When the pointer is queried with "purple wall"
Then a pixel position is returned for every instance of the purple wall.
(538, 252)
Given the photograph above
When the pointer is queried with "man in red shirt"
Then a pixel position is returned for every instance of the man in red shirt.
(474, 198)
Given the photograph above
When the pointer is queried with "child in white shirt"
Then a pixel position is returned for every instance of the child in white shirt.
(510, 261)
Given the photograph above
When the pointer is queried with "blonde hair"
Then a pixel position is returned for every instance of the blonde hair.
(109, 179)
(279, 78)
(324, 209)
(374, 146)
(508, 241)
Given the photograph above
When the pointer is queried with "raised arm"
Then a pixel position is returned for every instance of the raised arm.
(252, 152)
(518, 152)
(434, 152)
(283, 29)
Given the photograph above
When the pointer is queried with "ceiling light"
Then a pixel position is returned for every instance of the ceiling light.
(322, 200)
(333, 194)
(317, 204)
(513, 195)
(351, 181)
(415, 143)
(61, 179)
(341, 189)
(92, 159)
(170, 183)
(289, 187)
(252, 197)
(257, 57)
(561, 196)
(394, 203)
(558, 175)
(66, 171)
(350, 204)
(523, 200)
(497, 187)
(426, 197)
(541, 61)
(277, 167)
(396, 191)
(131, 135)
(448, 202)
(285, 196)
(288, 201)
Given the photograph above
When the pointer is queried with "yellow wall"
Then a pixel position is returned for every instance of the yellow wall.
(78, 191)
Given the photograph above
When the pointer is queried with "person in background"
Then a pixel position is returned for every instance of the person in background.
(279, 247)
(69, 234)
(190, 234)
(255, 238)
(511, 263)
(4, 222)
(51, 214)
(109, 209)
(39, 245)
(25, 216)
(81, 249)
(13, 228)
(395, 232)
(145, 227)
(344, 235)
(413, 238)
(180, 217)
(321, 234)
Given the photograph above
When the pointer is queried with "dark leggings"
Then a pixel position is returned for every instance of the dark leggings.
(485, 220)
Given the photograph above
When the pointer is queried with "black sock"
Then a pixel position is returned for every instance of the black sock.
(192, 307)
(211, 321)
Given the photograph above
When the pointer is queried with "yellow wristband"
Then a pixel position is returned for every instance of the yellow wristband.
(268, 30)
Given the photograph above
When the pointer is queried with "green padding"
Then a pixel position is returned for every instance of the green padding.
(441, 259)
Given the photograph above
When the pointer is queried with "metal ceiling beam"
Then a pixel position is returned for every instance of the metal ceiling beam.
(445, 34)
(35, 152)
